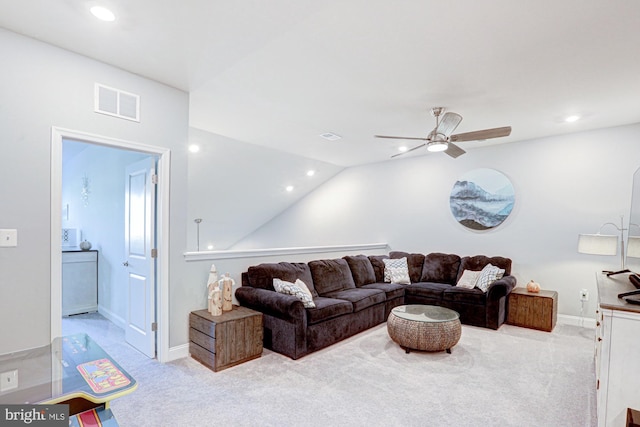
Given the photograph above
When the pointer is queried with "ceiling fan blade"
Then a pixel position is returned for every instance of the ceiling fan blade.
(401, 137)
(453, 150)
(408, 151)
(449, 123)
(482, 134)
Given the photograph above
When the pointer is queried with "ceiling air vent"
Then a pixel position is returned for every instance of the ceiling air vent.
(117, 103)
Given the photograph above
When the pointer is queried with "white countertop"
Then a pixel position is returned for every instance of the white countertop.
(610, 287)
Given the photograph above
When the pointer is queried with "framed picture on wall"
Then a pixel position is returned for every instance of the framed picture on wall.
(482, 199)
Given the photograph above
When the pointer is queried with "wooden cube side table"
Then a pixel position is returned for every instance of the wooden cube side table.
(220, 342)
(533, 310)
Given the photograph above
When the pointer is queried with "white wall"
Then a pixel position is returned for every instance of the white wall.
(102, 218)
(235, 187)
(42, 86)
(564, 186)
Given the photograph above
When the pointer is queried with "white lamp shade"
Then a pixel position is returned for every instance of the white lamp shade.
(633, 247)
(598, 244)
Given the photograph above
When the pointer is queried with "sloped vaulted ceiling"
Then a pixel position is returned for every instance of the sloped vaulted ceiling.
(280, 73)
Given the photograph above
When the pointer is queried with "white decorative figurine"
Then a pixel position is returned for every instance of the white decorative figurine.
(212, 286)
(226, 283)
(216, 302)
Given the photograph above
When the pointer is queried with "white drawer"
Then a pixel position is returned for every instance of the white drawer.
(89, 256)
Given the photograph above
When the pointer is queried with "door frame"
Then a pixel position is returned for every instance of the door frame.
(162, 228)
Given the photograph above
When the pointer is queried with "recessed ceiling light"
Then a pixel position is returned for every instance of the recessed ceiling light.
(289, 188)
(571, 119)
(194, 148)
(330, 136)
(103, 14)
(403, 149)
(311, 172)
(210, 247)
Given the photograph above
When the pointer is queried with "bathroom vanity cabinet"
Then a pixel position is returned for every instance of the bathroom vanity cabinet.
(79, 281)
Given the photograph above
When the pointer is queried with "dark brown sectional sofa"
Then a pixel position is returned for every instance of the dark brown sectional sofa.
(351, 296)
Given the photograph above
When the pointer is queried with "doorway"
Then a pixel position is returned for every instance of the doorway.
(99, 272)
(63, 213)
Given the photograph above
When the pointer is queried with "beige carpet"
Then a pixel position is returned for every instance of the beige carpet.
(510, 377)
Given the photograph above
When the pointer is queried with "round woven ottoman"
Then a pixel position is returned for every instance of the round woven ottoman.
(424, 327)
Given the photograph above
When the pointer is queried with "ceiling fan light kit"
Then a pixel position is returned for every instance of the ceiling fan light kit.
(441, 138)
(437, 146)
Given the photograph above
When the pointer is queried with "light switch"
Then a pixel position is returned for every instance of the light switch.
(8, 237)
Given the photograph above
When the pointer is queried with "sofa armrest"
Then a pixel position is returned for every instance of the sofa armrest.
(286, 307)
(501, 287)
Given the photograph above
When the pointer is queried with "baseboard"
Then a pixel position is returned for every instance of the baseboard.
(585, 322)
(178, 352)
(114, 318)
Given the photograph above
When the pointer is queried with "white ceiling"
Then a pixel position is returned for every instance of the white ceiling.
(279, 73)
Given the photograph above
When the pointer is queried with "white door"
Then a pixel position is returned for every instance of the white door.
(139, 240)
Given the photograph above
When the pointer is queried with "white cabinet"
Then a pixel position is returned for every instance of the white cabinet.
(79, 282)
(617, 352)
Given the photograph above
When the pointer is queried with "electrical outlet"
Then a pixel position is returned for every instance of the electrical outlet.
(9, 380)
(584, 295)
(8, 237)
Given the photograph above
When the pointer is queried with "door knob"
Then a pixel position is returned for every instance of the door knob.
(126, 263)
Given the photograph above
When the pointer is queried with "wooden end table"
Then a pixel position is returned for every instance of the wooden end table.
(220, 342)
(533, 310)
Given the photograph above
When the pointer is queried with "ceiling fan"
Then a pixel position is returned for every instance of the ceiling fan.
(440, 138)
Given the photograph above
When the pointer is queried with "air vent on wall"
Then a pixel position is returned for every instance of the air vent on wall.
(117, 103)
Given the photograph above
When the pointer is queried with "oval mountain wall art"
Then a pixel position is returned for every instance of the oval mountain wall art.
(482, 199)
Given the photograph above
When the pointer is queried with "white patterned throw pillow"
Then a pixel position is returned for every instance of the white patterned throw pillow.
(396, 271)
(488, 275)
(289, 288)
(304, 287)
(468, 279)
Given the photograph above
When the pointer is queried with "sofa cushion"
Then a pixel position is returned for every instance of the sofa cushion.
(396, 271)
(426, 289)
(489, 274)
(361, 269)
(462, 295)
(331, 275)
(478, 262)
(392, 290)
(328, 308)
(359, 297)
(262, 275)
(378, 266)
(415, 262)
(294, 289)
(441, 268)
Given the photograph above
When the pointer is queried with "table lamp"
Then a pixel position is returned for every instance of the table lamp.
(605, 244)
(633, 246)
